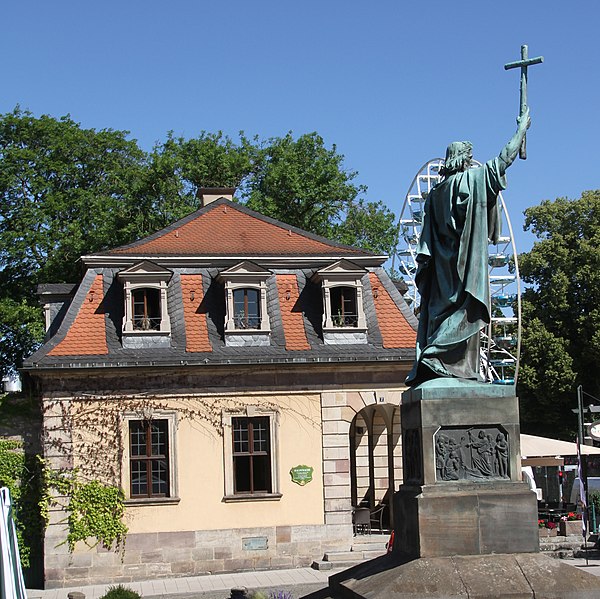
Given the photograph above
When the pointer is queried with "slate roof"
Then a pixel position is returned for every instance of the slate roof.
(89, 335)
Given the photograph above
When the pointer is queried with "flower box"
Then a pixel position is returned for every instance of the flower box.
(569, 527)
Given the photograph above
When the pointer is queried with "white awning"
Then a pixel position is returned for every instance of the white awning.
(538, 447)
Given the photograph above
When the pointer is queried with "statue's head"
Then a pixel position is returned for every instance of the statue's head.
(459, 156)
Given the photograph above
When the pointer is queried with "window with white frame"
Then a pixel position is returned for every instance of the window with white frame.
(145, 294)
(146, 309)
(246, 308)
(250, 446)
(149, 461)
(246, 316)
(344, 311)
(344, 318)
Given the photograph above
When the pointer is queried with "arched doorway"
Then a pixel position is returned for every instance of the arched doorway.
(376, 461)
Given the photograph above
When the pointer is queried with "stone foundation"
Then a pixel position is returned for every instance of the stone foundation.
(193, 553)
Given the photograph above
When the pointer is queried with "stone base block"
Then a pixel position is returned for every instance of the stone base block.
(466, 519)
(515, 576)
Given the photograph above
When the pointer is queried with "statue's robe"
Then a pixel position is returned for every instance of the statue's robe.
(461, 214)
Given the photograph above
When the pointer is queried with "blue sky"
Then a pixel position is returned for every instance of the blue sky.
(391, 83)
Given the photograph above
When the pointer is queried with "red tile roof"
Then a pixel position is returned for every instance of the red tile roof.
(196, 330)
(87, 334)
(395, 330)
(292, 318)
(227, 229)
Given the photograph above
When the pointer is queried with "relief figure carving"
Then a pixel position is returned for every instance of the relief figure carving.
(471, 454)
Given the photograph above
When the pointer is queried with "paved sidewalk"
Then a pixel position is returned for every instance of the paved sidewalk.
(219, 585)
(171, 587)
(592, 566)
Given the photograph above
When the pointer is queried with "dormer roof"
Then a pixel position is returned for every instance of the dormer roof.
(245, 268)
(145, 270)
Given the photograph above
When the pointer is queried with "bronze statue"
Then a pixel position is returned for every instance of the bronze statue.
(461, 214)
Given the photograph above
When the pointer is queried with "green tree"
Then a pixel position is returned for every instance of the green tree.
(369, 225)
(302, 183)
(177, 168)
(64, 191)
(561, 340)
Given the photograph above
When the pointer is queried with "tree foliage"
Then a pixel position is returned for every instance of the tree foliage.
(177, 168)
(561, 340)
(302, 182)
(66, 191)
(369, 225)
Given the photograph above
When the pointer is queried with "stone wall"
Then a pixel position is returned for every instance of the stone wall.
(172, 554)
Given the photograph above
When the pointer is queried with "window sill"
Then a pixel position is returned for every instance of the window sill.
(345, 329)
(152, 501)
(248, 331)
(149, 333)
(244, 498)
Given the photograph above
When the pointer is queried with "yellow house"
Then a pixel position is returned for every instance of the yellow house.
(239, 379)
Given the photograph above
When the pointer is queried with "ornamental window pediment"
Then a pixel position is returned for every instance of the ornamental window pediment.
(343, 310)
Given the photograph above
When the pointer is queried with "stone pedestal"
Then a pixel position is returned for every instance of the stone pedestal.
(462, 491)
(466, 526)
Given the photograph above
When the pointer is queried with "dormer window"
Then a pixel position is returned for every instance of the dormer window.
(246, 307)
(146, 321)
(246, 317)
(146, 309)
(343, 313)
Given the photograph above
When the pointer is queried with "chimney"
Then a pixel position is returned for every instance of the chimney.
(210, 194)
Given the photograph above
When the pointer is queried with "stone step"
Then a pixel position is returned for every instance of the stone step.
(375, 546)
(325, 565)
(562, 547)
(376, 536)
(566, 554)
(341, 556)
(547, 547)
(353, 555)
(373, 553)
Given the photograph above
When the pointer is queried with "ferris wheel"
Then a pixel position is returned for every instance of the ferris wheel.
(500, 341)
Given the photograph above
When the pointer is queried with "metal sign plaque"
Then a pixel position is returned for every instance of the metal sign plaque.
(255, 543)
(301, 474)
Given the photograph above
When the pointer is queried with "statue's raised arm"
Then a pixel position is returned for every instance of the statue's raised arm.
(461, 216)
(511, 149)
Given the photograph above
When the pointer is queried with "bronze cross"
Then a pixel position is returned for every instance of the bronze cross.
(523, 63)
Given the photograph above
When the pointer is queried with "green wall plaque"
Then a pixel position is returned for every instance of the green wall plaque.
(301, 474)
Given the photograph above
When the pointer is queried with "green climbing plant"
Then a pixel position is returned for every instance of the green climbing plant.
(95, 511)
(20, 473)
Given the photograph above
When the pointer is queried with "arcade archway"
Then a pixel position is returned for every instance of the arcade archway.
(376, 461)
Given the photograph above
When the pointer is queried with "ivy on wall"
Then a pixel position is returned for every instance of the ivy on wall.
(95, 511)
(20, 473)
